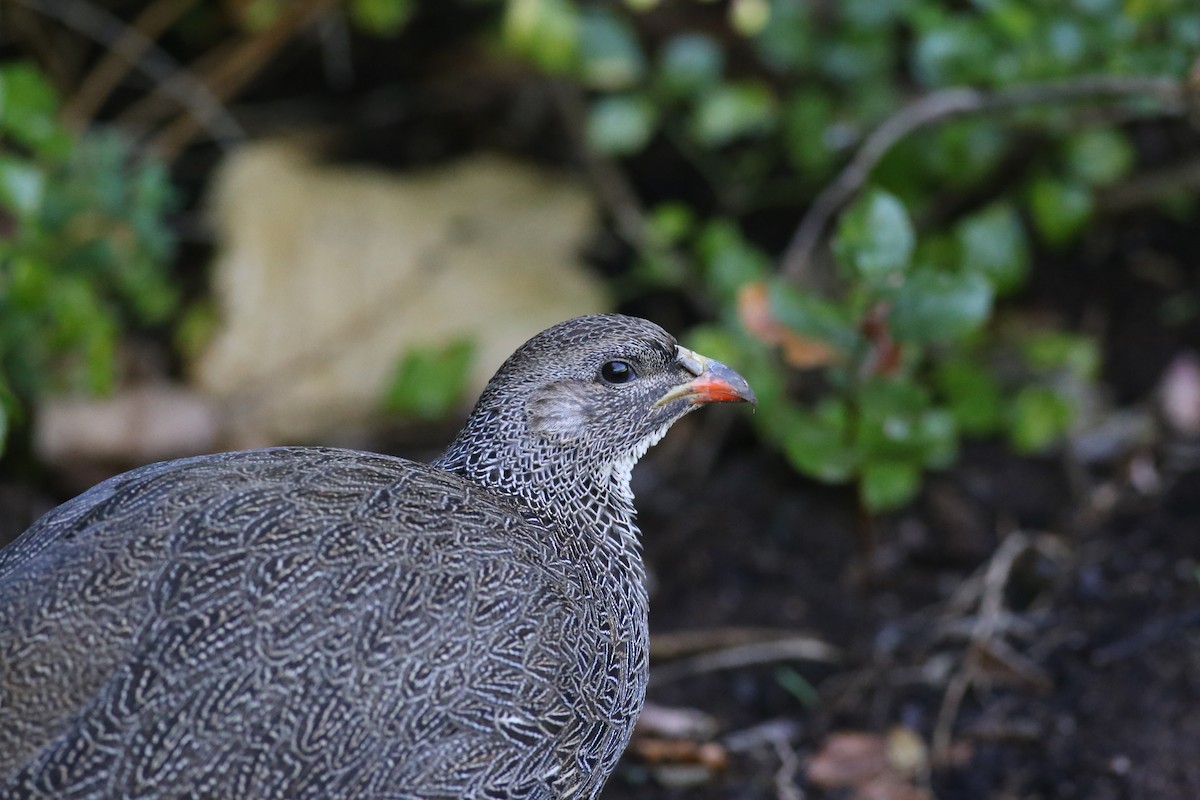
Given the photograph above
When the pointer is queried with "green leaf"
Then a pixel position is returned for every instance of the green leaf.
(672, 222)
(993, 243)
(1056, 350)
(818, 443)
(1099, 157)
(1013, 19)
(813, 316)
(939, 306)
(620, 125)
(1060, 208)
(22, 186)
(786, 43)
(886, 485)
(3, 421)
(972, 394)
(807, 118)
(963, 152)
(875, 239)
(715, 341)
(544, 31)
(430, 381)
(897, 422)
(690, 63)
(732, 111)
(937, 435)
(1040, 417)
(749, 17)
(729, 260)
(610, 56)
(28, 106)
(954, 51)
(871, 13)
(800, 688)
(382, 17)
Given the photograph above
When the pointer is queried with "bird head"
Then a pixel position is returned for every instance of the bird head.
(596, 392)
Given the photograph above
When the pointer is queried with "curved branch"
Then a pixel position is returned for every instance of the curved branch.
(947, 104)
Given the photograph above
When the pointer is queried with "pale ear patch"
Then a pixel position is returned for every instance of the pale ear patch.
(560, 411)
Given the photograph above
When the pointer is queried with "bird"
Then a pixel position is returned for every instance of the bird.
(315, 622)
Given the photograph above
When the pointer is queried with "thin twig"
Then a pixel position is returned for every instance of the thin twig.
(232, 73)
(947, 104)
(170, 78)
(987, 630)
(799, 648)
(617, 195)
(1153, 186)
(786, 785)
(612, 187)
(123, 54)
(995, 579)
(682, 644)
(1151, 633)
(943, 729)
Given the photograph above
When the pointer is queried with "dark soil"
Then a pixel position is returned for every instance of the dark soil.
(1110, 634)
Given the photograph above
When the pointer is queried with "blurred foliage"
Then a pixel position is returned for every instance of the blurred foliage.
(871, 371)
(431, 381)
(768, 100)
(83, 248)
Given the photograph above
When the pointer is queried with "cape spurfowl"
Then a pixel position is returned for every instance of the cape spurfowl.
(323, 623)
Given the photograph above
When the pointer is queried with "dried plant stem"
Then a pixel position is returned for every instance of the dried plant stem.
(147, 58)
(123, 55)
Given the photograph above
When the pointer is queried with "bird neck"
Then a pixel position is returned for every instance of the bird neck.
(585, 499)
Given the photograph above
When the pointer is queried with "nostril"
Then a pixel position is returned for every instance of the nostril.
(689, 361)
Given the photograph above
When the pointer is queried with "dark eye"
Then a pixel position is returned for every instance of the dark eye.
(617, 372)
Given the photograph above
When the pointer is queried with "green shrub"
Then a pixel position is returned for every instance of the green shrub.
(904, 339)
(83, 248)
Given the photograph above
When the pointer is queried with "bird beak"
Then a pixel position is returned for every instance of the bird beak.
(714, 383)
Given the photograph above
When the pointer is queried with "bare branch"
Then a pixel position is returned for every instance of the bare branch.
(149, 59)
(231, 73)
(948, 104)
(122, 56)
(796, 648)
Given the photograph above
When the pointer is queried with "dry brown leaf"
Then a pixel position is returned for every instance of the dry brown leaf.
(803, 352)
(848, 758)
(876, 767)
(654, 750)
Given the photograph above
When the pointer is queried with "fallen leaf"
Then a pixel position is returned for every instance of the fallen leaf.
(802, 352)
(654, 750)
(848, 758)
(876, 767)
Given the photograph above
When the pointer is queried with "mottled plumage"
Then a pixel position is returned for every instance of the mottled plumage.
(323, 623)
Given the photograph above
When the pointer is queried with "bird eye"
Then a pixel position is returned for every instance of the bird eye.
(617, 372)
